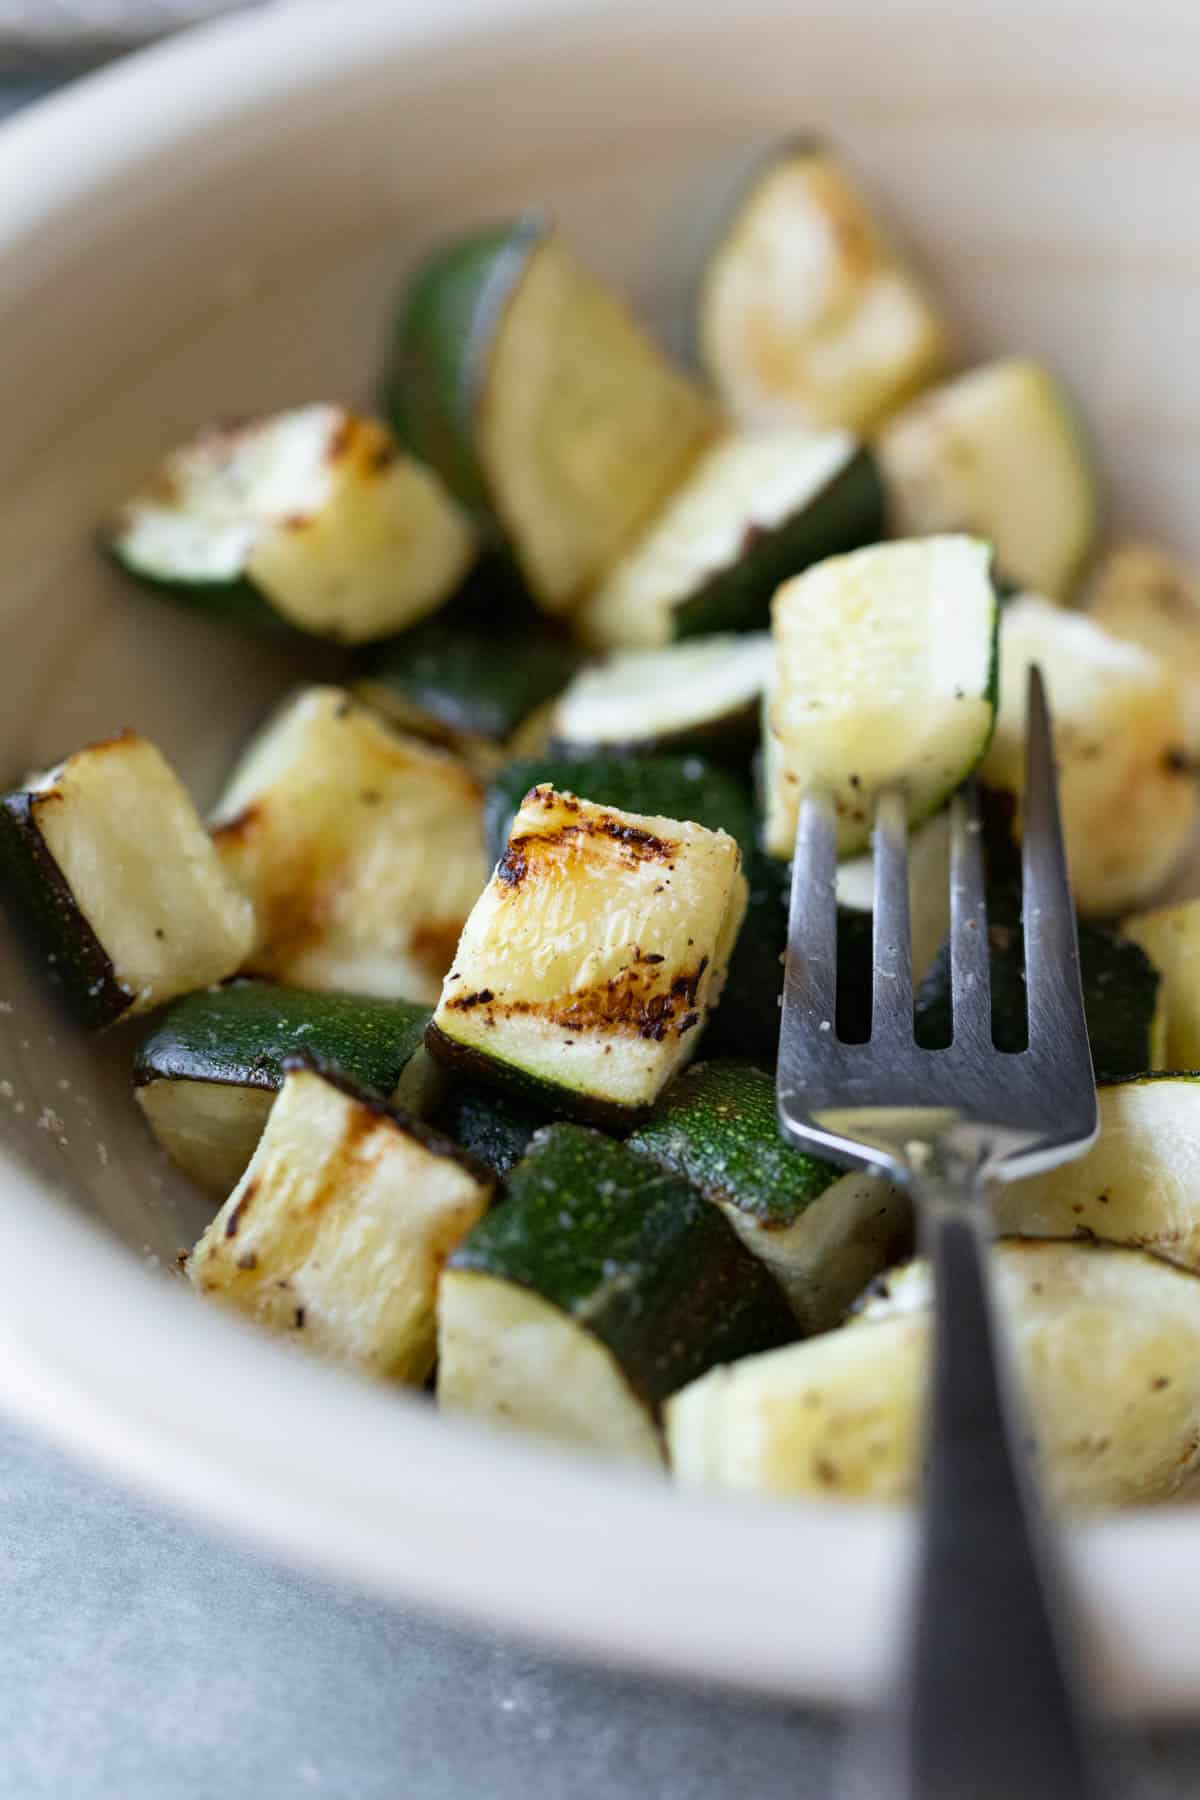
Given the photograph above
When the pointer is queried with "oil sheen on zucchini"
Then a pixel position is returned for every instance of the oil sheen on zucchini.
(885, 676)
(1107, 1342)
(206, 1075)
(823, 1233)
(591, 960)
(108, 867)
(755, 509)
(601, 1286)
(312, 519)
(337, 1233)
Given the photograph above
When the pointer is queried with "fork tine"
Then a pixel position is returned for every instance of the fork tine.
(970, 975)
(1054, 996)
(810, 983)
(892, 986)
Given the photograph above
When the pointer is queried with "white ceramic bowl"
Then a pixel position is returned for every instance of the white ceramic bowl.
(220, 225)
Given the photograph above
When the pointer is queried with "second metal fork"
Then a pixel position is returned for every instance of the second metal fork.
(989, 1706)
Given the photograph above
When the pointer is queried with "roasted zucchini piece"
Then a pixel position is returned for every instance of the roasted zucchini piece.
(928, 888)
(705, 694)
(463, 687)
(337, 1233)
(494, 1127)
(806, 312)
(598, 1288)
(999, 452)
(593, 957)
(523, 380)
(361, 848)
(1107, 1341)
(673, 787)
(823, 1233)
(206, 1075)
(885, 676)
(1170, 937)
(1141, 594)
(756, 508)
(1137, 1184)
(1123, 994)
(1128, 800)
(313, 519)
(107, 865)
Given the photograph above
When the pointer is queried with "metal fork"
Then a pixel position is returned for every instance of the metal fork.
(990, 1703)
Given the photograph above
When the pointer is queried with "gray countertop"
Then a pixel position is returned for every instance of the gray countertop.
(142, 1660)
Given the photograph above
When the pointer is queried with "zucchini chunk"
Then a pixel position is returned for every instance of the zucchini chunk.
(523, 380)
(1123, 994)
(673, 787)
(1137, 1184)
(999, 452)
(705, 694)
(1170, 937)
(823, 1233)
(593, 956)
(1141, 594)
(494, 1127)
(928, 888)
(463, 687)
(337, 1233)
(1128, 801)
(1107, 1342)
(806, 314)
(107, 865)
(361, 848)
(885, 675)
(313, 519)
(746, 1022)
(755, 508)
(600, 1286)
(206, 1075)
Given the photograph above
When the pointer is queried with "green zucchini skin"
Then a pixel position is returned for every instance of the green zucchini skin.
(746, 1022)
(243, 1034)
(517, 1084)
(847, 514)
(669, 787)
(440, 346)
(1120, 992)
(493, 1127)
(52, 920)
(470, 683)
(634, 1255)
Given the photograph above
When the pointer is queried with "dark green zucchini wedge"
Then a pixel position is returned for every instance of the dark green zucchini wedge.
(338, 1232)
(107, 865)
(823, 1233)
(600, 1287)
(206, 1075)
(755, 509)
(492, 1126)
(705, 694)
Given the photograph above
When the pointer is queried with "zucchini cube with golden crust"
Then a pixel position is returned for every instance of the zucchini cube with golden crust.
(362, 849)
(336, 1235)
(593, 957)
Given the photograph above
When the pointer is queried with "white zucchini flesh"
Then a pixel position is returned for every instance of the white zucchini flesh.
(596, 951)
(744, 486)
(362, 849)
(1129, 804)
(806, 312)
(650, 697)
(1170, 936)
(336, 1235)
(143, 873)
(884, 677)
(210, 1131)
(1108, 1346)
(555, 1379)
(1141, 594)
(339, 530)
(999, 452)
(1138, 1185)
(928, 888)
(584, 425)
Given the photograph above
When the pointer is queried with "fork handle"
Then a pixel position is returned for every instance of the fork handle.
(989, 1707)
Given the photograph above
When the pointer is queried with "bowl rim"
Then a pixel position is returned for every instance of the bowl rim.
(238, 1434)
